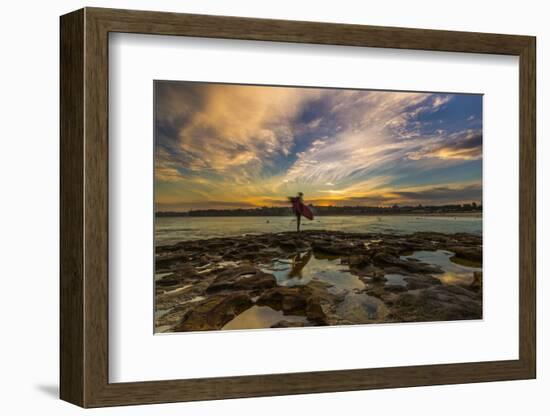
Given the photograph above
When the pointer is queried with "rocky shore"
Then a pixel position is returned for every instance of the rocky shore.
(317, 278)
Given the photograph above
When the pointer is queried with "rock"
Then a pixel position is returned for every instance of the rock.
(214, 312)
(183, 275)
(421, 282)
(420, 267)
(477, 283)
(170, 281)
(369, 273)
(289, 324)
(467, 256)
(361, 309)
(168, 261)
(315, 311)
(336, 248)
(357, 261)
(312, 300)
(382, 258)
(395, 288)
(252, 247)
(212, 280)
(242, 278)
(288, 245)
(385, 259)
(290, 300)
(437, 303)
(169, 319)
(378, 277)
(386, 293)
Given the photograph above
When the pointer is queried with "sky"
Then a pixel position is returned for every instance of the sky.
(225, 146)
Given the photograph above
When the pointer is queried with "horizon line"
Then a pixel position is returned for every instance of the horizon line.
(477, 205)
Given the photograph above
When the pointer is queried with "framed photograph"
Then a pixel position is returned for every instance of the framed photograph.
(260, 207)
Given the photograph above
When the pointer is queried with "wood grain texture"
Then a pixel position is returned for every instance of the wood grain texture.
(84, 207)
(71, 100)
(96, 218)
(225, 27)
(527, 207)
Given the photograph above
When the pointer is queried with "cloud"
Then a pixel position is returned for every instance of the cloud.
(426, 195)
(255, 145)
(201, 204)
(463, 145)
(441, 194)
(381, 128)
(240, 127)
(361, 187)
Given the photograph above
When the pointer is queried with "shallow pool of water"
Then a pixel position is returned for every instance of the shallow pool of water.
(395, 279)
(303, 267)
(452, 273)
(257, 317)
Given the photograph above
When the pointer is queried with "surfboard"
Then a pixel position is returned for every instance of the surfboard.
(306, 212)
(301, 208)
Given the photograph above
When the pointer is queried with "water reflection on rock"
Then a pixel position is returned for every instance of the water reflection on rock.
(453, 273)
(263, 317)
(396, 279)
(301, 268)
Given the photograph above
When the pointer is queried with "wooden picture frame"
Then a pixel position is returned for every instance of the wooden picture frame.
(84, 207)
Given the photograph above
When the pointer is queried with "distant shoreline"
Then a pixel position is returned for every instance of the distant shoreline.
(453, 210)
(476, 214)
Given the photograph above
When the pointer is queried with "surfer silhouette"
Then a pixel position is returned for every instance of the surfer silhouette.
(299, 209)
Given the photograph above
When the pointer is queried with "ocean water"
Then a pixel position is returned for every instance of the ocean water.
(170, 230)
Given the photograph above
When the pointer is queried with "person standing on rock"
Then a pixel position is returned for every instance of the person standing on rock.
(299, 209)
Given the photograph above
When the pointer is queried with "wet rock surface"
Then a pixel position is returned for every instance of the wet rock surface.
(322, 277)
(214, 312)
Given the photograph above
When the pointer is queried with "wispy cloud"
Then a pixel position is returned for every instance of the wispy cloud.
(463, 145)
